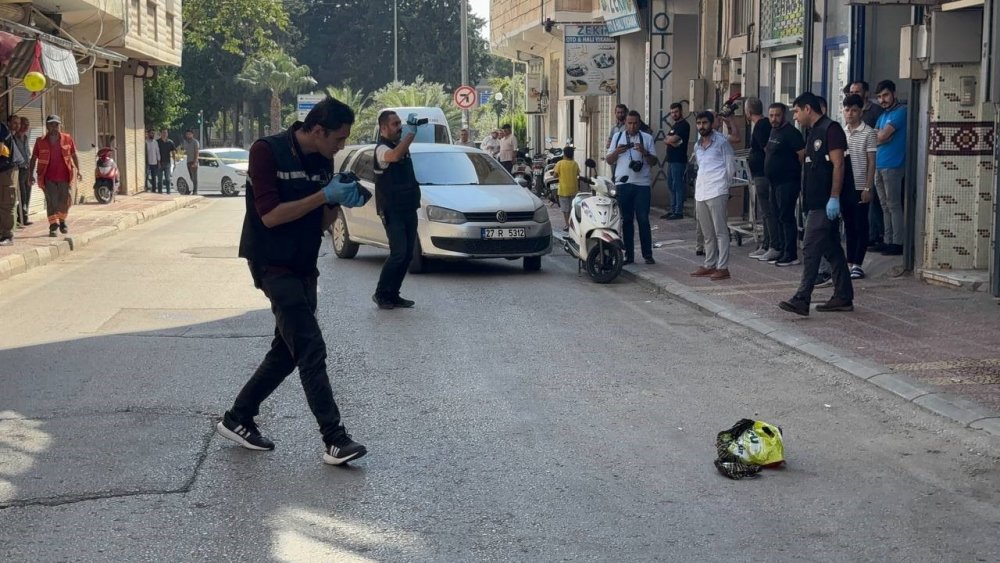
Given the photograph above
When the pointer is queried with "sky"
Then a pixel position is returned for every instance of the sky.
(482, 9)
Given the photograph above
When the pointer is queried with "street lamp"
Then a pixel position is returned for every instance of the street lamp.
(498, 106)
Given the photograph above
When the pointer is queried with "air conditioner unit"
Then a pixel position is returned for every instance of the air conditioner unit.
(720, 70)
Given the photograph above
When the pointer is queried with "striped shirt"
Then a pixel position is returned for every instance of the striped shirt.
(860, 142)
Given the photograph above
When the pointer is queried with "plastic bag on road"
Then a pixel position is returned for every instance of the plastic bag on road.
(747, 447)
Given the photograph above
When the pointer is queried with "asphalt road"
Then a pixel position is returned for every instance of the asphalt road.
(509, 416)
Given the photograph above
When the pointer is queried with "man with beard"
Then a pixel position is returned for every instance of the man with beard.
(716, 165)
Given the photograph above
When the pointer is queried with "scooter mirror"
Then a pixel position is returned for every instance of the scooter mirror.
(590, 163)
(521, 181)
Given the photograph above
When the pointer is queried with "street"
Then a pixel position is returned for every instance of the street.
(509, 416)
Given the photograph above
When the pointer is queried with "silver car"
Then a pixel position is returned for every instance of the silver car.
(470, 207)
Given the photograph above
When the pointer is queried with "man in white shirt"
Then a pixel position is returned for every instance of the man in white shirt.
(716, 165)
(508, 148)
(862, 143)
(463, 139)
(630, 154)
(491, 144)
(152, 162)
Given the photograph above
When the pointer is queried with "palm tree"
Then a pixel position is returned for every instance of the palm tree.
(418, 94)
(360, 102)
(276, 73)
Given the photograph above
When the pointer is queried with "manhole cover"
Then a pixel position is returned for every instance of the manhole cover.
(213, 251)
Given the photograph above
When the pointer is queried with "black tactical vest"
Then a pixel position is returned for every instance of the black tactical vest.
(819, 170)
(292, 246)
(396, 186)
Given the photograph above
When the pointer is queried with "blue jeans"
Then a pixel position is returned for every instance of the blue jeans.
(678, 190)
(634, 202)
(164, 174)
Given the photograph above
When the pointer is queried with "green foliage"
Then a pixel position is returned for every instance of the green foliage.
(364, 120)
(276, 73)
(420, 94)
(240, 27)
(164, 99)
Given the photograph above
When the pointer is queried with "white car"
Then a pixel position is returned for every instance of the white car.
(222, 170)
(470, 207)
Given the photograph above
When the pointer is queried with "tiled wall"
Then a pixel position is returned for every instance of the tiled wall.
(959, 221)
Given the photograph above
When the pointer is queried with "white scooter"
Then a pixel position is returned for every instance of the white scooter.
(594, 236)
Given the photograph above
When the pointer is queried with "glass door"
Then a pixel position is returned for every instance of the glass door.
(786, 78)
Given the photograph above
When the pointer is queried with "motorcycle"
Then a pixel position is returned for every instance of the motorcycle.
(521, 171)
(594, 236)
(106, 177)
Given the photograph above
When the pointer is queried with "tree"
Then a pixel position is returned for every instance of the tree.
(164, 99)
(241, 27)
(419, 94)
(360, 103)
(277, 73)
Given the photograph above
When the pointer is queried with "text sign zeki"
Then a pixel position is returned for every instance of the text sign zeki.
(591, 61)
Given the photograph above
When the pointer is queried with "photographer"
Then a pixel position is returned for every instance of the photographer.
(631, 154)
(290, 192)
(397, 198)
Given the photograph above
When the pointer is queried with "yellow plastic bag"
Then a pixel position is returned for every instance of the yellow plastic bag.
(747, 446)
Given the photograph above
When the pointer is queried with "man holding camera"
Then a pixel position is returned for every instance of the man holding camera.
(630, 154)
(397, 198)
(290, 194)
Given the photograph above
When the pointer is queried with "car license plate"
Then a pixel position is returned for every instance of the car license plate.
(503, 233)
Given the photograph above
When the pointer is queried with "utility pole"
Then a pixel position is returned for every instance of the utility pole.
(395, 41)
(464, 22)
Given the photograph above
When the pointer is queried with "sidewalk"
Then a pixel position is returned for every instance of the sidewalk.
(33, 247)
(935, 346)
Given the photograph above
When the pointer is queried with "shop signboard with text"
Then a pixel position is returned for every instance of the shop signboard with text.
(620, 16)
(591, 61)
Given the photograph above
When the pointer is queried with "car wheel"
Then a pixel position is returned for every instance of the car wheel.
(228, 187)
(532, 263)
(182, 187)
(342, 245)
(418, 264)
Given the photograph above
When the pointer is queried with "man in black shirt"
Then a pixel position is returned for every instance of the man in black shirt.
(828, 188)
(167, 148)
(783, 170)
(759, 136)
(677, 156)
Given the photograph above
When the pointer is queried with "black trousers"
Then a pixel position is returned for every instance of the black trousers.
(24, 187)
(634, 202)
(298, 343)
(856, 229)
(783, 198)
(767, 213)
(401, 232)
(822, 240)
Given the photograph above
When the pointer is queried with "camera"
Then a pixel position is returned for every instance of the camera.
(729, 108)
(635, 165)
(417, 122)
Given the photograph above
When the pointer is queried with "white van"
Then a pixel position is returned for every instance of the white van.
(435, 131)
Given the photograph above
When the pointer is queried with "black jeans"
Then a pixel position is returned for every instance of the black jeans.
(856, 228)
(401, 232)
(298, 343)
(822, 240)
(634, 203)
(767, 213)
(783, 198)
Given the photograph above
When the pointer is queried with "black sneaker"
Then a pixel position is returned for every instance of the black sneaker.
(52, 230)
(824, 280)
(404, 303)
(795, 306)
(383, 303)
(344, 450)
(649, 260)
(63, 228)
(699, 252)
(787, 261)
(835, 304)
(245, 434)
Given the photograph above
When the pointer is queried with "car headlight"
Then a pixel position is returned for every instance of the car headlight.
(241, 172)
(445, 215)
(541, 215)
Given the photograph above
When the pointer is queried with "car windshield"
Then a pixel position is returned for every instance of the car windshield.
(459, 168)
(234, 156)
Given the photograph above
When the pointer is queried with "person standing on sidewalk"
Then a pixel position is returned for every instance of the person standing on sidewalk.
(759, 136)
(491, 144)
(677, 156)
(890, 160)
(631, 154)
(568, 173)
(869, 115)
(290, 192)
(9, 163)
(167, 148)
(464, 140)
(55, 154)
(862, 142)
(828, 188)
(152, 162)
(716, 165)
(508, 147)
(24, 179)
(784, 172)
(621, 111)
(191, 148)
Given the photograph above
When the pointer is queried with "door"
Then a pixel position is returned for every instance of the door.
(209, 173)
(364, 222)
(786, 78)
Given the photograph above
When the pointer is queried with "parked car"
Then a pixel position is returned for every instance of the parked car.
(222, 170)
(470, 208)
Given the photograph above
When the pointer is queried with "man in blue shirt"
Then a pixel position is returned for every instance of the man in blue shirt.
(890, 160)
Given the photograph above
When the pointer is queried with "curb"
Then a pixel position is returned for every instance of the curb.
(959, 409)
(17, 264)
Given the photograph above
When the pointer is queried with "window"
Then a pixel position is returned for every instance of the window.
(207, 159)
(136, 19)
(172, 30)
(151, 20)
(458, 169)
(364, 166)
(102, 97)
(741, 16)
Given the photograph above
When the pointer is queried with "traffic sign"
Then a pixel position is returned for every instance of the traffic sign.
(465, 97)
(484, 96)
(306, 102)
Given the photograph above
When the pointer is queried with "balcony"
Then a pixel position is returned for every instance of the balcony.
(516, 23)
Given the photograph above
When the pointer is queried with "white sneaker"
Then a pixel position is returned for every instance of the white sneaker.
(772, 254)
(758, 253)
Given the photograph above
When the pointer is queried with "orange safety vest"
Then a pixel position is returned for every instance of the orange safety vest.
(42, 150)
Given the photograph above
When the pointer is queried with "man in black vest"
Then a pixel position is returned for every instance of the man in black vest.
(290, 192)
(828, 187)
(397, 198)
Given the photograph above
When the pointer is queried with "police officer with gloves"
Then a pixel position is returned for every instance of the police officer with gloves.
(290, 194)
(397, 198)
(828, 187)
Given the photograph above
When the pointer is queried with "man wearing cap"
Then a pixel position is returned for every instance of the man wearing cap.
(55, 154)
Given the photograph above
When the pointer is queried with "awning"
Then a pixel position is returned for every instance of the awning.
(58, 64)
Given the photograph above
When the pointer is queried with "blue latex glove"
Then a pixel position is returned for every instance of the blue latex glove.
(343, 190)
(833, 209)
(411, 125)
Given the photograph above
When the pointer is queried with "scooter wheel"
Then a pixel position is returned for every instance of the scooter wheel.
(604, 262)
(103, 193)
